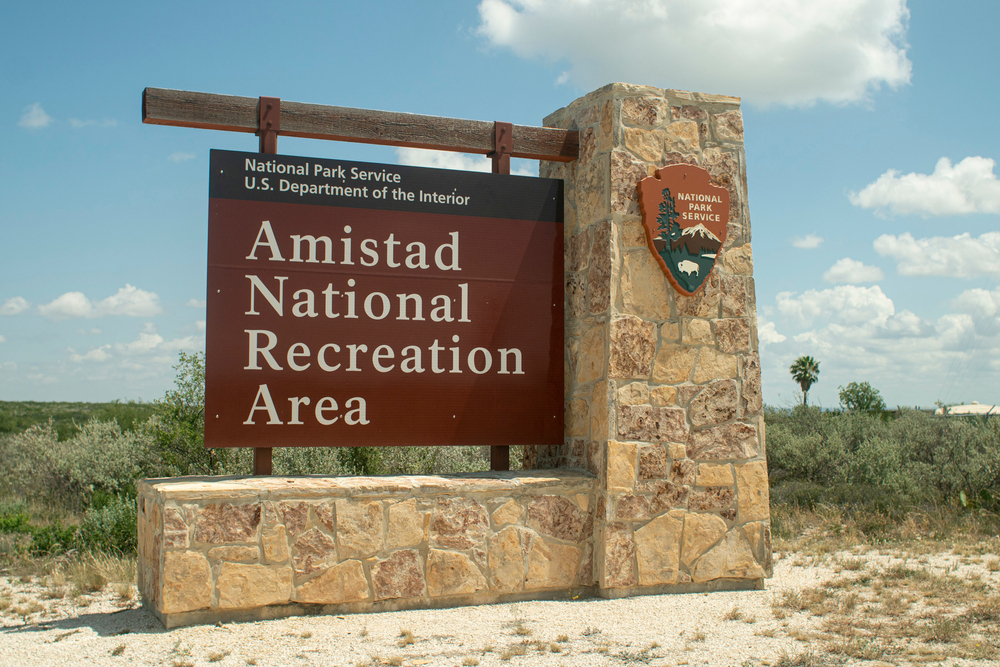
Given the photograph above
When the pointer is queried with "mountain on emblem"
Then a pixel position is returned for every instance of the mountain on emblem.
(685, 219)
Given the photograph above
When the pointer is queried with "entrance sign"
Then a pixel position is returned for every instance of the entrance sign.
(685, 219)
(354, 304)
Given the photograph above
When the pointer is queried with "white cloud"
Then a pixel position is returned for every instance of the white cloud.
(107, 122)
(196, 303)
(959, 256)
(2, 339)
(186, 343)
(97, 354)
(14, 306)
(852, 271)
(34, 117)
(200, 325)
(419, 157)
(807, 242)
(793, 52)
(147, 340)
(180, 157)
(767, 334)
(130, 301)
(978, 302)
(968, 187)
(845, 303)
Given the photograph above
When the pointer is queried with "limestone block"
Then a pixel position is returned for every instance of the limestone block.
(682, 136)
(600, 402)
(576, 295)
(677, 450)
(712, 499)
(682, 472)
(714, 475)
(187, 582)
(753, 532)
(632, 508)
(590, 361)
(633, 344)
(359, 528)
(734, 296)
(670, 332)
(313, 550)
(691, 112)
(588, 146)
(509, 512)
(728, 126)
(716, 403)
(506, 561)
(653, 462)
(651, 424)
(732, 559)
(344, 582)
(579, 251)
(406, 525)
(398, 576)
(697, 331)
(705, 303)
(633, 234)
(558, 517)
(599, 275)
(619, 555)
(592, 201)
(753, 492)
(459, 523)
(295, 515)
(732, 335)
(661, 396)
(644, 286)
(626, 172)
(686, 392)
(701, 532)
(249, 586)
(714, 365)
(226, 522)
(739, 260)
(729, 441)
(175, 530)
(636, 393)
(644, 144)
(723, 166)
(621, 466)
(658, 546)
(551, 565)
(674, 364)
(667, 496)
(577, 417)
(647, 111)
(275, 544)
(753, 401)
(234, 554)
(451, 573)
(325, 514)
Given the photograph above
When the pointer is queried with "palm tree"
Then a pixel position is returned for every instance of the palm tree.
(805, 371)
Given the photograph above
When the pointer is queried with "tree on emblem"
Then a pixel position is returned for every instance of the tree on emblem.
(805, 371)
(667, 220)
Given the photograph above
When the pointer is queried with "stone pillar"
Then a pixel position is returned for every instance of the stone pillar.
(663, 395)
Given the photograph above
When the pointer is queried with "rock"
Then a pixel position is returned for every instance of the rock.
(313, 550)
(175, 530)
(667, 496)
(632, 507)
(732, 335)
(682, 136)
(234, 554)
(677, 450)
(729, 441)
(509, 512)
(359, 528)
(619, 555)
(187, 582)
(715, 404)
(653, 462)
(732, 559)
(592, 191)
(682, 472)
(275, 544)
(601, 397)
(556, 516)
(714, 365)
(599, 276)
(705, 303)
(644, 286)
(590, 360)
(753, 401)
(651, 424)
(658, 546)
(576, 295)
(344, 582)
(406, 525)
(739, 260)
(646, 145)
(621, 466)
(295, 516)
(713, 499)
(646, 111)
(626, 172)
(686, 392)
(459, 523)
(451, 573)
(734, 297)
(633, 234)
(752, 491)
(633, 344)
(577, 418)
(636, 393)
(714, 475)
(225, 522)
(697, 332)
(398, 576)
(551, 565)
(690, 112)
(728, 126)
(701, 531)
(579, 251)
(663, 396)
(506, 561)
(325, 514)
(674, 364)
(250, 586)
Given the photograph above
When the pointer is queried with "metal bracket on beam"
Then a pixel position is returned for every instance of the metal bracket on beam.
(269, 124)
(503, 146)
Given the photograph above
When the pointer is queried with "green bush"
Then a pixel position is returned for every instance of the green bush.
(111, 528)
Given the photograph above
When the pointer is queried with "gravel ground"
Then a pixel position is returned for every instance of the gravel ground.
(694, 629)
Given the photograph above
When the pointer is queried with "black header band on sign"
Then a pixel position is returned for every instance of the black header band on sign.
(325, 182)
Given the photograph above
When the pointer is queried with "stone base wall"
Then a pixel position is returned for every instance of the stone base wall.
(261, 547)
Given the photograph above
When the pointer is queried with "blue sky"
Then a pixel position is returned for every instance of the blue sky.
(870, 136)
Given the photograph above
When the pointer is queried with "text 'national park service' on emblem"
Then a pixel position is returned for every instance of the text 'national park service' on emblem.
(685, 219)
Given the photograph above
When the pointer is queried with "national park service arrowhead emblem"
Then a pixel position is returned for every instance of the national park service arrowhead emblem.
(685, 219)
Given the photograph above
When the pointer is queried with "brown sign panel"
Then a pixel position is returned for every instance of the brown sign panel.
(685, 219)
(354, 304)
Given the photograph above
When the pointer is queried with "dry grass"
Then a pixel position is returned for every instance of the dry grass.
(521, 629)
(216, 656)
(469, 661)
(405, 638)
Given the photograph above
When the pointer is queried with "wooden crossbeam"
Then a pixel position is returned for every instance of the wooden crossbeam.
(210, 111)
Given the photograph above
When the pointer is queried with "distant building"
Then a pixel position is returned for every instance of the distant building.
(973, 408)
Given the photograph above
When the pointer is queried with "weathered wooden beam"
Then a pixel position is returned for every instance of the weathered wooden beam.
(317, 121)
